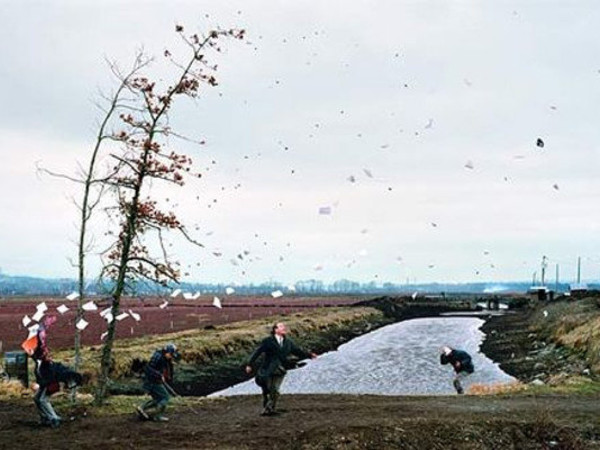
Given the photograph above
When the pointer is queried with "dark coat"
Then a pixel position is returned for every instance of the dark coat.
(158, 367)
(466, 364)
(275, 360)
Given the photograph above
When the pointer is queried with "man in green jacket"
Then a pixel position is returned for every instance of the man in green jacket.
(271, 372)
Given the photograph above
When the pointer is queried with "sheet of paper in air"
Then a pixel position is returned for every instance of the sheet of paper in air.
(229, 290)
(291, 288)
(82, 324)
(37, 316)
(276, 294)
(26, 321)
(90, 306)
(42, 307)
(164, 305)
(196, 295)
(122, 316)
(72, 296)
(175, 293)
(188, 296)
(62, 309)
(109, 317)
(104, 312)
(414, 295)
(135, 316)
(33, 329)
(217, 303)
(103, 335)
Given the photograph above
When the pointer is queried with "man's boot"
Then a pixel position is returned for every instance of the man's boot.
(458, 387)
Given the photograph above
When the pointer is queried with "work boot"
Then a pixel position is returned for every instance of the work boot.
(458, 387)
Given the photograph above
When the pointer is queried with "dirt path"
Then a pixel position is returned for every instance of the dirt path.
(329, 422)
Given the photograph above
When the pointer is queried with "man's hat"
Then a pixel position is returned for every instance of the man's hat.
(172, 349)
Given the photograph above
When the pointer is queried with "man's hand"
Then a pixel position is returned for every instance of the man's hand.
(457, 365)
(248, 370)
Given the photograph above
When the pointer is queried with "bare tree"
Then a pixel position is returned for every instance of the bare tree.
(88, 179)
(143, 157)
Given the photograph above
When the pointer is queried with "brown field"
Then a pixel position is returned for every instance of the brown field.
(179, 315)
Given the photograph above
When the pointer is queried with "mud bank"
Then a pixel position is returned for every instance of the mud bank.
(526, 351)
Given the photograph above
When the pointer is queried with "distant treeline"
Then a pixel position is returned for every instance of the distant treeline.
(27, 286)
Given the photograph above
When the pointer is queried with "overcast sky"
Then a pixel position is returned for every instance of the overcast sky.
(432, 108)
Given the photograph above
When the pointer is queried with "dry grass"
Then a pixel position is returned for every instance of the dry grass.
(496, 388)
(12, 389)
(199, 345)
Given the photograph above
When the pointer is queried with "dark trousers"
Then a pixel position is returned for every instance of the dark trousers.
(160, 397)
(270, 391)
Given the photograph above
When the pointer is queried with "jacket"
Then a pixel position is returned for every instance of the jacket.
(275, 359)
(466, 364)
(157, 368)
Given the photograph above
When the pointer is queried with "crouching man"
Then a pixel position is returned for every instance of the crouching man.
(48, 374)
(462, 364)
(276, 349)
(158, 375)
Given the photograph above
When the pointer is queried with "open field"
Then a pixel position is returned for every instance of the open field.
(313, 422)
(179, 315)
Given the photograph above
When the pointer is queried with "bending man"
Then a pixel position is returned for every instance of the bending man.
(276, 348)
(462, 364)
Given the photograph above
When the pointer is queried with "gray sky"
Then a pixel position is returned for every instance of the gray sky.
(410, 91)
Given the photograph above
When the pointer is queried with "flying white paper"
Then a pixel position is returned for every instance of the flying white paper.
(72, 296)
(276, 294)
(82, 324)
(217, 302)
(90, 306)
(37, 316)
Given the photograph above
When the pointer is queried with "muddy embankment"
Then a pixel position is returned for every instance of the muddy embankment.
(528, 343)
(219, 364)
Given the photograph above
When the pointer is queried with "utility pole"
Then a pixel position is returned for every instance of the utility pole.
(544, 265)
(578, 269)
(556, 282)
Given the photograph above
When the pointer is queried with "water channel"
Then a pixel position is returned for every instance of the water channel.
(399, 359)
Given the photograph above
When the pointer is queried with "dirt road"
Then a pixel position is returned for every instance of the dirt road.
(328, 422)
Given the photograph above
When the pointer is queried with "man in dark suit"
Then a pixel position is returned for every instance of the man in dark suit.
(276, 349)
